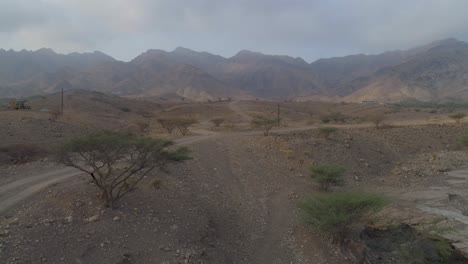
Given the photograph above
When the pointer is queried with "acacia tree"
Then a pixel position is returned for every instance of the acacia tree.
(457, 117)
(265, 124)
(183, 124)
(118, 162)
(376, 119)
(167, 124)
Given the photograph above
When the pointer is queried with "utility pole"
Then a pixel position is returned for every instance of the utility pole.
(278, 114)
(62, 101)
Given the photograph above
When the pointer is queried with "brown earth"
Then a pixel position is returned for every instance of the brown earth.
(237, 200)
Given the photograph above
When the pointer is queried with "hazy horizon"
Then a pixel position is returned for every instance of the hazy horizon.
(254, 51)
(298, 28)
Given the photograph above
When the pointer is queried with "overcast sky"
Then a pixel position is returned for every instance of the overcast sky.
(300, 28)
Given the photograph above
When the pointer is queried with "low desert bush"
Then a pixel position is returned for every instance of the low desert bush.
(143, 126)
(327, 175)
(325, 119)
(464, 140)
(336, 117)
(327, 131)
(54, 115)
(337, 214)
(125, 109)
(217, 121)
(22, 153)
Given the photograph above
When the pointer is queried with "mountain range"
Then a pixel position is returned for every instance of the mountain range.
(434, 72)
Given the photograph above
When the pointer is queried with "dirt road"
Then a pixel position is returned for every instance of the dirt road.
(243, 192)
(235, 108)
(14, 192)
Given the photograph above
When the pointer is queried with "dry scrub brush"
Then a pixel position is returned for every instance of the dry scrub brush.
(376, 119)
(143, 126)
(327, 131)
(181, 123)
(265, 124)
(217, 121)
(167, 124)
(22, 153)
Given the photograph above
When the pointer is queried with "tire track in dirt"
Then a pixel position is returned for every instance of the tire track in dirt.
(251, 214)
(13, 193)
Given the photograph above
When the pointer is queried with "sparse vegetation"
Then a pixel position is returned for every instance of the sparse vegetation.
(22, 153)
(327, 175)
(183, 124)
(408, 245)
(118, 162)
(168, 124)
(143, 126)
(125, 109)
(337, 213)
(54, 115)
(336, 117)
(464, 140)
(435, 105)
(327, 131)
(265, 124)
(325, 119)
(376, 119)
(457, 117)
(217, 121)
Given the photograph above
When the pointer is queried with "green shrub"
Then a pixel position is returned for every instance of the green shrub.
(464, 140)
(337, 213)
(327, 175)
(327, 131)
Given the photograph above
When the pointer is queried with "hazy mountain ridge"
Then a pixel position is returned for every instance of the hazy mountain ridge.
(440, 73)
(436, 71)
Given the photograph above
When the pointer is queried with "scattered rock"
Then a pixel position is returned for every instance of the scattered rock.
(93, 218)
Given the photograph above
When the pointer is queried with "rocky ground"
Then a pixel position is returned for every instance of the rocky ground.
(236, 201)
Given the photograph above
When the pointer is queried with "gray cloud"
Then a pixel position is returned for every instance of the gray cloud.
(306, 28)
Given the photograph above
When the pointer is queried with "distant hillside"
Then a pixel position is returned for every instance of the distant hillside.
(437, 71)
(440, 73)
